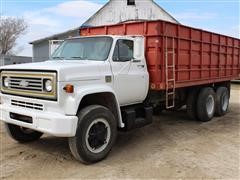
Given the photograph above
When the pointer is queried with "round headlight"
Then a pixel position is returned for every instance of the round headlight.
(48, 85)
(6, 82)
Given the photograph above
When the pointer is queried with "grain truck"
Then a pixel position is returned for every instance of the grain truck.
(113, 78)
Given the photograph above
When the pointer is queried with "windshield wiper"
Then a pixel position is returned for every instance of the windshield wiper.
(58, 57)
(77, 57)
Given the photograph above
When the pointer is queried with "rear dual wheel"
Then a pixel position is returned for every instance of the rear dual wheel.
(222, 101)
(204, 104)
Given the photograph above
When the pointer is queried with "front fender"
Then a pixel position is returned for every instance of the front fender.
(73, 101)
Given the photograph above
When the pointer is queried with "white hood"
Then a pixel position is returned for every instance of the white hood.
(66, 70)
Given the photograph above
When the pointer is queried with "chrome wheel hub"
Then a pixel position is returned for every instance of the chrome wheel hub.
(225, 101)
(210, 105)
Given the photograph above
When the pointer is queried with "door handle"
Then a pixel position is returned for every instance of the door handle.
(136, 60)
(141, 66)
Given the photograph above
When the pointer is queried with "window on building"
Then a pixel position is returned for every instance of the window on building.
(123, 51)
(130, 2)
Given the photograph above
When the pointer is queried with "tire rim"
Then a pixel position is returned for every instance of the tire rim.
(225, 102)
(98, 135)
(210, 105)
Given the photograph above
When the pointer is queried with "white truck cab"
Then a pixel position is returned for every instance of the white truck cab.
(79, 93)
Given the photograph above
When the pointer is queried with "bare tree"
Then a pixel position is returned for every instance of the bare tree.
(10, 30)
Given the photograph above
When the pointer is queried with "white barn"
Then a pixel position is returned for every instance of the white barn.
(113, 12)
(116, 11)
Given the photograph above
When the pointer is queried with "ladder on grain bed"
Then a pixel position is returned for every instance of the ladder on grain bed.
(170, 73)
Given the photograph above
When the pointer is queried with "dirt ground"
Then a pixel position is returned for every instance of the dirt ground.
(172, 147)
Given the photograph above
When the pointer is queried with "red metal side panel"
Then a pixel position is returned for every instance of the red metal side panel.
(200, 57)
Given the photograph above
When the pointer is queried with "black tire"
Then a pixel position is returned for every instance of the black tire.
(21, 134)
(192, 104)
(81, 146)
(206, 104)
(222, 101)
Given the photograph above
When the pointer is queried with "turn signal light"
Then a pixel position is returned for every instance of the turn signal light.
(69, 88)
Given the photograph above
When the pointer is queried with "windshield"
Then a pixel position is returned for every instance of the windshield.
(90, 48)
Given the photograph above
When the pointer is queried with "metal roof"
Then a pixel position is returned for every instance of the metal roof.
(54, 36)
(94, 15)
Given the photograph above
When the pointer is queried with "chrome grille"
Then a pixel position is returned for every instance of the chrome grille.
(32, 84)
(28, 105)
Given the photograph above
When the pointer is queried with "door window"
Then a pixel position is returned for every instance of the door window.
(123, 50)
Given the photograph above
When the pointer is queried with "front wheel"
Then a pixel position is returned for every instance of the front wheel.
(22, 134)
(95, 135)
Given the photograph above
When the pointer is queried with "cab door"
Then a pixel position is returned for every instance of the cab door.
(130, 74)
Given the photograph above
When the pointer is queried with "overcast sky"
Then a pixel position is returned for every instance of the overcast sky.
(47, 17)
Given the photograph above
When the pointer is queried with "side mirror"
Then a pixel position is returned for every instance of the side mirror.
(138, 48)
